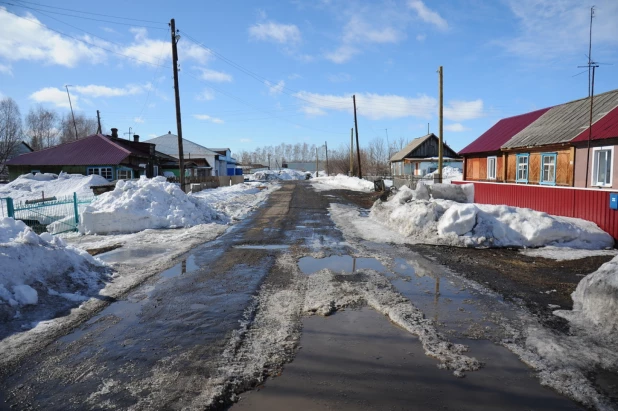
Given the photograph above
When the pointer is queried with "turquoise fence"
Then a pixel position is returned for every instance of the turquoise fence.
(54, 215)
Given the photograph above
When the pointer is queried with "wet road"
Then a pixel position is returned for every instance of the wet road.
(163, 345)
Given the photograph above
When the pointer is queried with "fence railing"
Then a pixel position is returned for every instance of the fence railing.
(55, 216)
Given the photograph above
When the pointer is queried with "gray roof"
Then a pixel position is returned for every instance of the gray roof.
(562, 123)
(400, 155)
(168, 144)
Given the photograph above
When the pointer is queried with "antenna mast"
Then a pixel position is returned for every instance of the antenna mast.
(590, 54)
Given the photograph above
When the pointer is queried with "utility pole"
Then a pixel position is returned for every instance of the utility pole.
(317, 164)
(441, 115)
(351, 151)
(99, 131)
(590, 55)
(593, 66)
(269, 161)
(360, 174)
(181, 160)
(326, 146)
(72, 114)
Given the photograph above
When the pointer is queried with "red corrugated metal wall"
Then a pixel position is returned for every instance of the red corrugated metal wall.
(591, 205)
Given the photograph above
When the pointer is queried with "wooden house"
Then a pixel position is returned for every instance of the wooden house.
(420, 157)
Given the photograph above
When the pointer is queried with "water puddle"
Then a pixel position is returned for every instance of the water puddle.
(186, 266)
(263, 247)
(124, 255)
(339, 263)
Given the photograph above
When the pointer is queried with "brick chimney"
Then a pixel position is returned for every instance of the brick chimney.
(136, 138)
(114, 132)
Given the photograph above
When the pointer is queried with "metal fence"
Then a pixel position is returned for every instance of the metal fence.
(54, 215)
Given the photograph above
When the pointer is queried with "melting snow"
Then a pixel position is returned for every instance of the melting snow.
(341, 181)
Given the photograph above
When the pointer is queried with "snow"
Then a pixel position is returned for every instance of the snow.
(235, 201)
(283, 174)
(341, 181)
(565, 253)
(440, 220)
(29, 186)
(595, 300)
(448, 174)
(30, 263)
(146, 203)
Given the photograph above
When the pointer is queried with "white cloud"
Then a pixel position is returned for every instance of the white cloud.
(274, 89)
(205, 95)
(421, 37)
(455, 127)
(206, 117)
(370, 105)
(28, 39)
(294, 76)
(245, 140)
(215, 76)
(427, 15)
(6, 69)
(275, 32)
(147, 50)
(93, 90)
(339, 77)
(139, 119)
(109, 30)
(54, 96)
(342, 54)
(458, 110)
(559, 28)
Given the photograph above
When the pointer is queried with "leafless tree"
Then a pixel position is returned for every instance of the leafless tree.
(42, 127)
(10, 130)
(86, 126)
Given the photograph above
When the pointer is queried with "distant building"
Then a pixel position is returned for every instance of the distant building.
(420, 157)
(20, 148)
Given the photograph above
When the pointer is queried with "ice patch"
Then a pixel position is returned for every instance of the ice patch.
(25, 295)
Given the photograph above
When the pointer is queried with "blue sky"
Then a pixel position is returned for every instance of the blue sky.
(257, 73)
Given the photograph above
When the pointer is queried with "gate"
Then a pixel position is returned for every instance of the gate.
(48, 215)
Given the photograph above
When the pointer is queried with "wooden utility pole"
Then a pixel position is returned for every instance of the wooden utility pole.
(351, 151)
(360, 174)
(326, 147)
(269, 161)
(99, 131)
(441, 115)
(72, 114)
(181, 160)
(594, 66)
(316, 162)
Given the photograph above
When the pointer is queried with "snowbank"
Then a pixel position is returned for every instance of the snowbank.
(341, 181)
(283, 174)
(448, 174)
(33, 263)
(30, 186)
(235, 201)
(595, 300)
(441, 220)
(146, 203)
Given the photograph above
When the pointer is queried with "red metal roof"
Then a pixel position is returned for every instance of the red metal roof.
(93, 150)
(606, 127)
(501, 132)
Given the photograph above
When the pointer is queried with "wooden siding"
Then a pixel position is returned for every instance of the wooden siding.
(564, 165)
(476, 167)
(429, 148)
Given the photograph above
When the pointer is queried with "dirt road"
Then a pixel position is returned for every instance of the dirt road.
(230, 313)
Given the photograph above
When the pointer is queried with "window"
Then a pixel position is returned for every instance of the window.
(124, 174)
(522, 168)
(155, 171)
(491, 168)
(105, 172)
(548, 168)
(602, 166)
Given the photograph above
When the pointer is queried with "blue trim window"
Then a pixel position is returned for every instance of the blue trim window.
(522, 168)
(105, 172)
(124, 174)
(548, 169)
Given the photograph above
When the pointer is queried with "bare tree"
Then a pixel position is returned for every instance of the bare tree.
(10, 130)
(86, 126)
(42, 127)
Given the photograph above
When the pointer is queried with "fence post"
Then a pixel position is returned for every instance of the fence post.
(75, 209)
(10, 209)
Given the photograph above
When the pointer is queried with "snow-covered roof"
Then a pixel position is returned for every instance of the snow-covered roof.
(168, 144)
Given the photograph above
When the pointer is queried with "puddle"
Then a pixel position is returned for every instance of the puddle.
(339, 263)
(121, 255)
(184, 267)
(263, 247)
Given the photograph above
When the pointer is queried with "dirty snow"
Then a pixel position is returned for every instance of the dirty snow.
(565, 253)
(33, 263)
(283, 174)
(440, 220)
(341, 181)
(146, 203)
(235, 201)
(29, 186)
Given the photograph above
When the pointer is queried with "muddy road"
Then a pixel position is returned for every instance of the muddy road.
(236, 324)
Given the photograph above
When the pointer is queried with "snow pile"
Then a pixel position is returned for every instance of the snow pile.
(31, 186)
(33, 263)
(235, 201)
(341, 181)
(146, 203)
(444, 221)
(595, 300)
(448, 174)
(283, 174)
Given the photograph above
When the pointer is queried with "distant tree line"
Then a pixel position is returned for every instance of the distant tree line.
(40, 129)
(375, 156)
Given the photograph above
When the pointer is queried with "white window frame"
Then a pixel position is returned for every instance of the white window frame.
(553, 165)
(494, 169)
(527, 168)
(99, 171)
(594, 168)
(124, 170)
